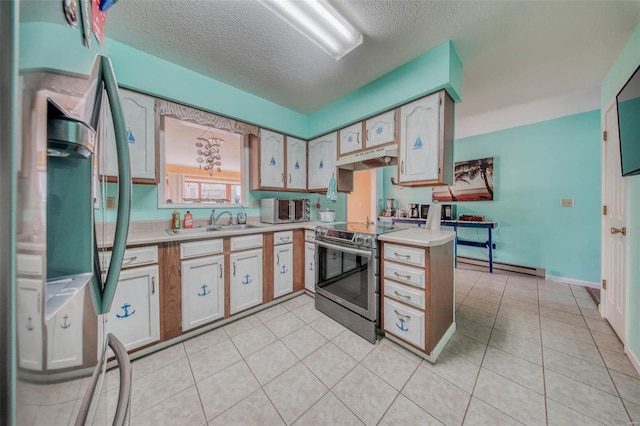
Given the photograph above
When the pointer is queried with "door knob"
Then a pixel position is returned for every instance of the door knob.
(622, 230)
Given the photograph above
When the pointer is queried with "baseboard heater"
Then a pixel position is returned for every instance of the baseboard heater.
(510, 267)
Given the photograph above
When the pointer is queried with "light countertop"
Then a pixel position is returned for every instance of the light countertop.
(418, 237)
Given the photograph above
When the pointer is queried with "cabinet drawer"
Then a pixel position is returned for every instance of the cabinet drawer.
(283, 237)
(403, 254)
(246, 242)
(404, 274)
(132, 257)
(309, 236)
(200, 248)
(404, 322)
(403, 293)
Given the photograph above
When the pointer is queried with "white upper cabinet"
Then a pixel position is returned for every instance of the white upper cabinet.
(322, 160)
(381, 129)
(271, 159)
(351, 139)
(139, 116)
(426, 141)
(296, 164)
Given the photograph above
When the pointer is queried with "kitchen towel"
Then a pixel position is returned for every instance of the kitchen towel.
(332, 192)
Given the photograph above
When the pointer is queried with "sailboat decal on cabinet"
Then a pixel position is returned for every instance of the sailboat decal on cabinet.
(130, 137)
(418, 143)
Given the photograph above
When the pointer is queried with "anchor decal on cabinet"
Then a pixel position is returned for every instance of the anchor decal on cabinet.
(283, 270)
(29, 326)
(247, 279)
(65, 324)
(125, 308)
(204, 290)
(401, 326)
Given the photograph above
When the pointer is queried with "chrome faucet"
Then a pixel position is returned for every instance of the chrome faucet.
(214, 218)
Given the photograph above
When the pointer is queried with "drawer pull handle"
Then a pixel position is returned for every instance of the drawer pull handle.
(278, 258)
(221, 270)
(408, 317)
(153, 285)
(289, 177)
(402, 256)
(284, 238)
(406, 277)
(402, 295)
(129, 260)
(281, 177)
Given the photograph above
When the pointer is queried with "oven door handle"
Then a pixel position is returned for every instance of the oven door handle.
(348, 250)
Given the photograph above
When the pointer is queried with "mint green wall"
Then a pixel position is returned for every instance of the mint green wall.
(438, 68)
(535, 166)
(620, 71)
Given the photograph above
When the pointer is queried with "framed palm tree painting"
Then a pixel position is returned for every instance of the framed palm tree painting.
(473, 182)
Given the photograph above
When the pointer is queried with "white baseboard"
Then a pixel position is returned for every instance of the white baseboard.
(573, 281)
(633, 358)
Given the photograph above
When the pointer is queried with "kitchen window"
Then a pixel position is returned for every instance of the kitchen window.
(204, 158)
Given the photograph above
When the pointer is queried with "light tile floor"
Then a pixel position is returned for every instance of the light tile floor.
(526, 351)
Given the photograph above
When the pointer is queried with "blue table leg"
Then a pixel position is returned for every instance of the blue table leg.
(490, 252)
(455, 248)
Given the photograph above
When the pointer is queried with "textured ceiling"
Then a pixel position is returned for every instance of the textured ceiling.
(514, 52)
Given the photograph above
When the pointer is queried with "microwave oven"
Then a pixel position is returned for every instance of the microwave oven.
(280, 210)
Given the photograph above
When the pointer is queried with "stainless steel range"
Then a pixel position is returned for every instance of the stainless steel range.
(347, 284)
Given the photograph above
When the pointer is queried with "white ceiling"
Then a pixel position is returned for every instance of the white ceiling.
(514, 52)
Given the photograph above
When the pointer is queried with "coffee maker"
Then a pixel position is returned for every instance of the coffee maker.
(414, 211)
(390, 211)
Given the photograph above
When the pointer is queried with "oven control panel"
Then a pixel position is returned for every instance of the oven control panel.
(355, 238)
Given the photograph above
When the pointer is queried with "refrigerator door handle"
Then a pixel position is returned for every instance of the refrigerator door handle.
(124, 393)
(124, 186)
(124, 366)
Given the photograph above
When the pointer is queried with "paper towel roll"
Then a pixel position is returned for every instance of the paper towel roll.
(433, 217)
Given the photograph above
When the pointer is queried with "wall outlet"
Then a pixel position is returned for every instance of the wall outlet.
(111, 203)
(566, 202)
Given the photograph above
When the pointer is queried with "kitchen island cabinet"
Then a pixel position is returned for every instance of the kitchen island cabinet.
(417, 277)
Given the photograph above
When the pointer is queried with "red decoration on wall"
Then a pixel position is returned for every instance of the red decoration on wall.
(99, 18)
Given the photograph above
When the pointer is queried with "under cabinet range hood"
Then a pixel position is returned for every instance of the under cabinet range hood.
(369, 159)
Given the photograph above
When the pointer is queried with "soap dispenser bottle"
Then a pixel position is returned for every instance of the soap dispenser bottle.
(242, 216)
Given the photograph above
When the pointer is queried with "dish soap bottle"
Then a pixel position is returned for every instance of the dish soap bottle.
(188, 220)
(242, 217)
(175, 220)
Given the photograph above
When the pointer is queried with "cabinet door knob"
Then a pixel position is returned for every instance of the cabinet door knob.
(622, 230)
(402, 167)
(234, 269)
(221, 270)
(153, 285)
(289, 177)
(278, 258)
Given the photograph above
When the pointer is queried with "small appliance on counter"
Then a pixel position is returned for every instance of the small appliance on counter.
(327, 215)
(448, 212)
(424, 211)
(390, 210)
(279, 210)
(414, 211)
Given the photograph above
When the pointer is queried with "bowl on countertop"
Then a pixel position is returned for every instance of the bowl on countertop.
(326, 215)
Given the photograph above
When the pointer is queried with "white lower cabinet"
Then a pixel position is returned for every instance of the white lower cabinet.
(29, 300)
(202, 291)
(135, 312)
(282, 270)
(64, 334)
(246, 279)
(404, 322)
(310, 266)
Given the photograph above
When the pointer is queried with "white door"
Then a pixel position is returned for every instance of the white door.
(139, 116)
(381, 129)
(322, 160)
(135, 313)
(296, 163)
(282, 270)
(419, 141)
(64, 334)
(614, 245)
(351, 139)
(202, 291)
(29, 300)
(271, 159)
(246, 279)
(310, 266)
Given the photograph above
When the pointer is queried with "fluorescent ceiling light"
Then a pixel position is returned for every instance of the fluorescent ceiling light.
(319, 22)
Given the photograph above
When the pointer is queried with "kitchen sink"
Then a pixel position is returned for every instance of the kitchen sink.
(194, 230)
(235, 227)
